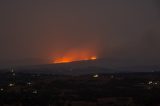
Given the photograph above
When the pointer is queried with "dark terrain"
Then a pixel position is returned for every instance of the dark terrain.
(95, 89)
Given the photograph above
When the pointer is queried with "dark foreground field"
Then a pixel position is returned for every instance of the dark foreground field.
(120, 89)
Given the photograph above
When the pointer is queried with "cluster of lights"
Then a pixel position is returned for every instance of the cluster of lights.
(153, 82)
(35, 92)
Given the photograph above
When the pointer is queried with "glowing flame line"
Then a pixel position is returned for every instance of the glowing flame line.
(70, 59)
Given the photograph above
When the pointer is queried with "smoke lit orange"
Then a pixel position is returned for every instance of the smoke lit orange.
(75, 55)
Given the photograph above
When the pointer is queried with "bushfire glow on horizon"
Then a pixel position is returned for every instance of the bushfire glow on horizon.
(75, 55)
(45, 31)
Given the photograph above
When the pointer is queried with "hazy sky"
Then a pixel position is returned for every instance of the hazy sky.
(111, 28)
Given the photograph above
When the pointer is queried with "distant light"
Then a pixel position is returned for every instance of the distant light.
(1, 89)
(35, 92)
(150, 82)
(29, 83)
(13, 74)
(12, 70)
(112, 76)
(11, 84)
(155, 83)
(96, 76)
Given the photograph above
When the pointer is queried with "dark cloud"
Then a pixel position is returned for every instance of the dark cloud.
(158, 3)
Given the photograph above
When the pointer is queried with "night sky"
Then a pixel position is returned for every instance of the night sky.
(43, 29)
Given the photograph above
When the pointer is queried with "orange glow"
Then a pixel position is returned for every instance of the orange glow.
(93, 58)
(75, 55)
